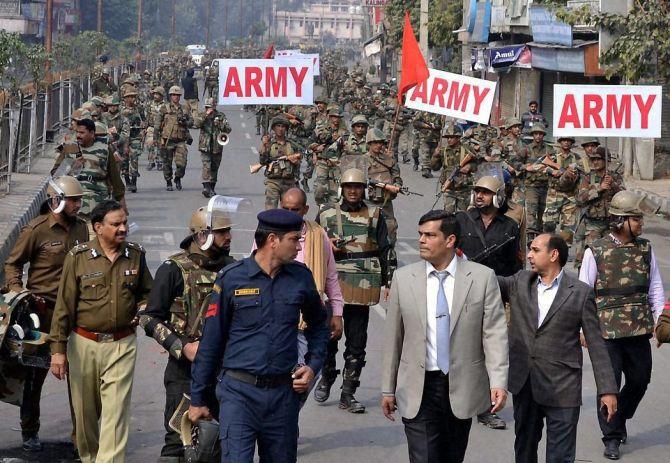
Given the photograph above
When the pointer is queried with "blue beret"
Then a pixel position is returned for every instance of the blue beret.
(279, 220)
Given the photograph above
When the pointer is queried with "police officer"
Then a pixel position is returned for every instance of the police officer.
(43, 244)
(623, 271)
(212, 124)
(491, 238)
(594, 194)
(458, 158)
(365, 261)
(250, 336)
(171, 133)
(282, 164)
(103, 283)
(175, 313)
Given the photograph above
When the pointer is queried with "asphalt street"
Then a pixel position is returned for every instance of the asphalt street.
(327, 433)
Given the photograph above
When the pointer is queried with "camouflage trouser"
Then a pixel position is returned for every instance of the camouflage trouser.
(415, 145)
(389, 215)
(588, 230)
(536, 199)
(326, 183)
(405, 141)
(309, 169)
(148, 142)
(519, 195)
(177, 151)
(192, 106)
(212, 88)
(274, 188)
(456, 200)
(560, 214)
(426, 149)
(129, 166)
(396, 143)
(210, 166)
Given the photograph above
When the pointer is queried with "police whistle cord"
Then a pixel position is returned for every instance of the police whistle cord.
(491, 249)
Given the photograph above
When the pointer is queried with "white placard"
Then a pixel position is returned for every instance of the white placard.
(290, 54)
(454, 95)
(628, 111)
(266, 81)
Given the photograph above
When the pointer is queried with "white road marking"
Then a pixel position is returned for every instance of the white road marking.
(241, 115)
(254, 150)
(247, 136)
(244, 125)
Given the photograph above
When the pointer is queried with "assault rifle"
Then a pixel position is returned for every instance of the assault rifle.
(491, 249)
(456, 172)
(389, 187)
(268, 165)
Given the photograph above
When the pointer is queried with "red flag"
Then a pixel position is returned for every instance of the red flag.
(269, 52)
(414, 69)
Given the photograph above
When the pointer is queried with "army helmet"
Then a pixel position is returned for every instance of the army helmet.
(203, 222)
(452, 130)
(566, 137)
(100, 129)
(538, 128)
(591, 141)
(279, 120)
(105, 71)
(158, 89)
(626, 203)
(132, 91)
(175, 90)
(209, 103)
(359, 119)
(353, 176)
(321, 99)
(97, 101)
(375, 135)
(334, 110)
(80, 115)
(112, 100)
(511, 122)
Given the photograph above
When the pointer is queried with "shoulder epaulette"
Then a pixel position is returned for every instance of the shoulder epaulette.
(79, 248)
(228, 268)
(135, 246)
(40, 219)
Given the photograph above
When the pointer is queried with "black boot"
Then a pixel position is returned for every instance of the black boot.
(211, 187)
(177, 183)
(151, 165)
(126, 178)
(405, 159)
(426, 173)
(133, 184)
(169, 185)
(322, 389)
(206, 190)
(352, 374)
(305, 185)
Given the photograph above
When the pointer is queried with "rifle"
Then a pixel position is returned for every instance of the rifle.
(256, 167)
(456, 172)
(387, 186)
(491, 249)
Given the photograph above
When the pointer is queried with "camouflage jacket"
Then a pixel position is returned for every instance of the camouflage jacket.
(595, 203)
(137, 121)
(210, 128)
(513, 153)
(172, 122)
(427, 134)
(277, 168)
(622, 287)
(566, 183)
(383, 169)
(447, 159)
(535, 154)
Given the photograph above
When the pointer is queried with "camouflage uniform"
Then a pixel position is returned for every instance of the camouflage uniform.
(537, 183)
(428, 138)
(560, 212)
(102, 87)
(514, 154)
(327, 163)
(212, 81)
(210, 150)
(280, 176)
(171, 128)
(135, 142)
(153, 108)
(119, 124)
(457, 198)
(593, 206)
(384, 169)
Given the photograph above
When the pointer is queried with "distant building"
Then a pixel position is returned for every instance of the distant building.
(28, 18)
(342, 18)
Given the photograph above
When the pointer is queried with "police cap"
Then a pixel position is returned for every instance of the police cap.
(279, 220)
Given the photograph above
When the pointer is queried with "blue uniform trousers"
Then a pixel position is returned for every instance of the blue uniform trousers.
(250, 415)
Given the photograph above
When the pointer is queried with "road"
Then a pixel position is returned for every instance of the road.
(327, 433)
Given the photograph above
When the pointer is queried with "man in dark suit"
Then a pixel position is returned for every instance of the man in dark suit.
(548, 309)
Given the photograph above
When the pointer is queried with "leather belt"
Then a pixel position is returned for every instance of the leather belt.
(89, 178)
(346, 255)
(104, 337)
(264, 381)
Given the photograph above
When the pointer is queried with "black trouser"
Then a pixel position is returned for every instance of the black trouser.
(529, 419)
(355, 319)
(177, 381)
(30, 407)
(632, 357)
(435, 435)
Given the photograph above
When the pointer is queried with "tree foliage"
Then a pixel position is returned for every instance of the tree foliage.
(20, 63)
(81, 51)
(641, 51)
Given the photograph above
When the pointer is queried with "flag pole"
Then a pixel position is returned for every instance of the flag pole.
(395, 123)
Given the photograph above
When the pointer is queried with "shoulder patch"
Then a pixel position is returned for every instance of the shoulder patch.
(135, 246)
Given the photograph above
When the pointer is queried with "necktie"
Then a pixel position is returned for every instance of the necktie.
(443, 321)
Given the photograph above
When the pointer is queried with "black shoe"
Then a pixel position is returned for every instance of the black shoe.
(159, 166)
(426, 174)
(133, 185)
(169, 186)
(405, 159)
(305, 185)
(491, 420)
(151, 166)
(624, 438)
(32, 444)
(206, 190)
(349, 403)
(177, 183)
(322, 389)
(612, 451)
(415, 167)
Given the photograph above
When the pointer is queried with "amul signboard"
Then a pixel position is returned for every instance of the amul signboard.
(10, 7)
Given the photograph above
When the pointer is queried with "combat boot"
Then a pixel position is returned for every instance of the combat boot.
(151, 166)
(305, 185)
(206, 190)
(405, 159)
(211, 187)
(177, 183)
(133, 184)
(322, 389)
(169, 185)
(352, 374)
(159, 165)
(126, 178)
(425, 173)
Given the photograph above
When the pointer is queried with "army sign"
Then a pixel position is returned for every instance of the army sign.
(628, 111)
(266, 81)
(453, 95)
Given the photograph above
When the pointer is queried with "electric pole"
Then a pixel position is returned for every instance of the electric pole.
(99, 15)
(241, 19)
(225, 27)
(423, 29)
(139, 19)
(207, 16)
(174, 23)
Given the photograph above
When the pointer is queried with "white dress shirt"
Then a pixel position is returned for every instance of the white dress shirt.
(432, 287)
(546, 295)
(588, 273)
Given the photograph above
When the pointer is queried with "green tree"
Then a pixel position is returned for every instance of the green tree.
(20, 63)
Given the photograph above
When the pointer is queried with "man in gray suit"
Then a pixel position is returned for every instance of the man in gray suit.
(440, 306)
(548, 307)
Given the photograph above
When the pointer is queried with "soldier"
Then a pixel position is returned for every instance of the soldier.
(513, 154)
(117, 130)
(428, 126)
(281, 163)
(623, 271)
(171, 128)
(43, 244)
(190, 86)
(129, 84)
(93, 163)
(537, 180)
(594, 195)
(212, 80)
(405, 138)
(365, 262)
(175, 313)
(384, 179)
(459, 159)
(564, 168)
(104, 85)
(327, 156)
(153, 108)
(103, 283)
(132, 150)
(212, 124)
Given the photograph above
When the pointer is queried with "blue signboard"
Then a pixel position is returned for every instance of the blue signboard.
(480, 33)
(505, 56)
(546, 29)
